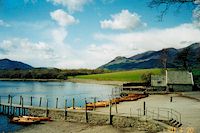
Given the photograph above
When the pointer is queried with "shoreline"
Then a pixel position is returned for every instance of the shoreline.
(74, 80)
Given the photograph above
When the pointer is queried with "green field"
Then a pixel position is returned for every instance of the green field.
(130, 76)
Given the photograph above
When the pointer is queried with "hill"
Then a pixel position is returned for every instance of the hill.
(6, 64)
(127, 76)
(152, 59)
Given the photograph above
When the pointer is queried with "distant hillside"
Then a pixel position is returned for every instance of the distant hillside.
(6, 64)
(151, 59)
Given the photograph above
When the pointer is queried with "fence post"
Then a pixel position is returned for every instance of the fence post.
(40, 102)
(65, 109)
(56, 102)
(31, 100)
(110, 112)
(94, 103)
(170, 99)
(11, 104)
(47, 108)
(86, 114)
(0, 104)
(171, 114)
(73, 103)
(116, 107)
(9, 98)
(22, 102)
(168, 114)
(144, 106)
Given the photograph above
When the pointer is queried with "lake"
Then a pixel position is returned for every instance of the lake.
(50, 90)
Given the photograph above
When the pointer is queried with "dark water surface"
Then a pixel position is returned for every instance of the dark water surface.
(50, 91)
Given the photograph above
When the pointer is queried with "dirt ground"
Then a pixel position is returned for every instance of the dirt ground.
(71, 127)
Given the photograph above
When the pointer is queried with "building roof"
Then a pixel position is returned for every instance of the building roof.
(179, 77)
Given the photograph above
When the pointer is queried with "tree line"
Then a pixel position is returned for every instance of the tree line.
(41, 73)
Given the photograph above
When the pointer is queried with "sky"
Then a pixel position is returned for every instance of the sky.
(71, 34)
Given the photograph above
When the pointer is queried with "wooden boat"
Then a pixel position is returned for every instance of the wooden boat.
(98, 104)
(23, 121)
(37, 118)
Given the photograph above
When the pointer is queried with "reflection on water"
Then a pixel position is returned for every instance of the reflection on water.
(52, 90)
(6, 126)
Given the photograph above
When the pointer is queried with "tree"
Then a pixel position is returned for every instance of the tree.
(163, 58)
(182, 57)
(146, 77)
(167, 4)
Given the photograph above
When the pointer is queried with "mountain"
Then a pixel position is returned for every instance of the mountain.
(151, 59)
(6, 64)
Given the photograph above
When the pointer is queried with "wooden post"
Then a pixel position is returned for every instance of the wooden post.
(9, 98)
(116, 107)
(31, 101)
(170, 99)
(65, 109)
(47, 109)
(40, 102)
(94, 103)
(22, 102)
(86, 114)
(0, 104)
(11, 104)
(14, 111)
(73, 103)
(56, 102)
(19, 111)
(144, 108)
(110, 112)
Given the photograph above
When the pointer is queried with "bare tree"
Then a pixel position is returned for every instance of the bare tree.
(167, 4)
(163, 58)
(183, 57)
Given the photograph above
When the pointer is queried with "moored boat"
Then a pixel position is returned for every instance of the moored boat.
(37, 118)
(23, 121)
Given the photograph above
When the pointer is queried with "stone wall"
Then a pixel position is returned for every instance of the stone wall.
(98, 119)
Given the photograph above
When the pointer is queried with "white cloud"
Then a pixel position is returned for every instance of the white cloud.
(122, 21)
(4, 24)
(105, 47)
(129, 44)
(72, 5)
(63, 18)
(59, 35)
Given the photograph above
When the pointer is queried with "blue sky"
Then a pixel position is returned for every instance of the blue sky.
(88, 33)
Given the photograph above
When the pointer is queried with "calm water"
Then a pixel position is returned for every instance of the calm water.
(50, 91)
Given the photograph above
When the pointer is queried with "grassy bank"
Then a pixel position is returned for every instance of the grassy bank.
(130, 76)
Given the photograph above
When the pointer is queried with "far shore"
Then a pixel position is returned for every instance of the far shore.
(75, 80)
